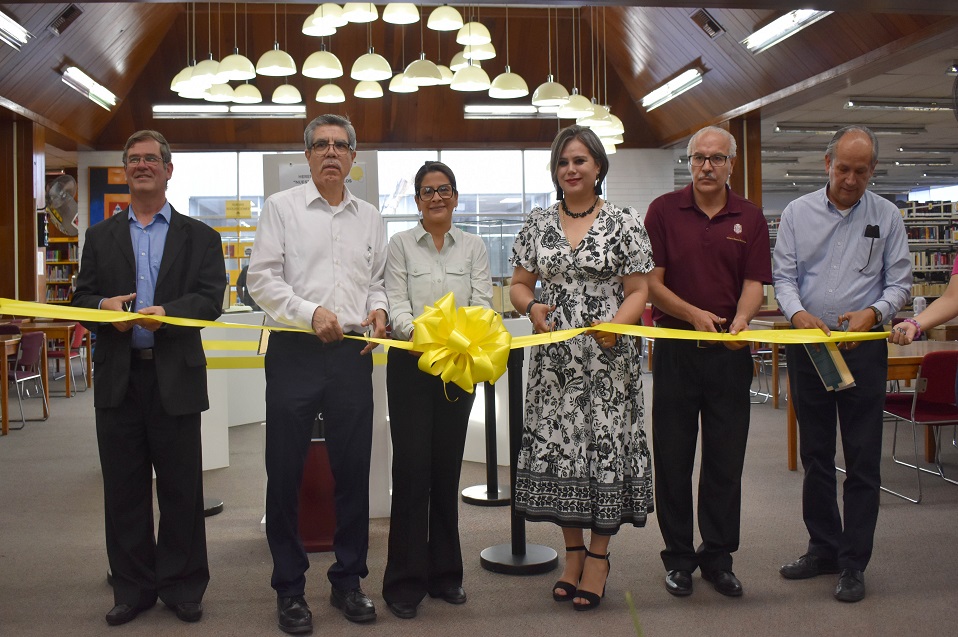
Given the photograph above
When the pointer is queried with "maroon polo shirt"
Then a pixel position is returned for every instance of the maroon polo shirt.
(706, 260)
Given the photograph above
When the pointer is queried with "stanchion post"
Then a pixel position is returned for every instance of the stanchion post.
(490, 493)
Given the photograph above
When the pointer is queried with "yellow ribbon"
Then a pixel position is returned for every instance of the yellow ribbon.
(465, 346)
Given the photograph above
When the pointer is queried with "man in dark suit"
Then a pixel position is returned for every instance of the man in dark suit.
(150, 385)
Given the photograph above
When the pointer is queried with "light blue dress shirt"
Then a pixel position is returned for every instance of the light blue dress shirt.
(148, 243)
(829, 261)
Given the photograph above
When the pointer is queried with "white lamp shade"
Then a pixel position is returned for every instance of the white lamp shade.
(470, 78)
(247, 94)
(221, 93)
(550, 93)
(401, 13)
(459, 61)
(399, 84)
(422, 72)
(615, 139)
(577, 106)
(287, 94)
(473, 33)
(479, 51)
(508, 85)
(236, 67)
(182, 79)
(360, 12)
(368, 90)
(204, 72)
(317, 27)
(614, 128)
(445, 18)
(446, 73)
(323, 65)
(276, 63)
(609, 147)
(597, 120)
(331, 14)
(195, 92)
(371, 67)
(330, 94)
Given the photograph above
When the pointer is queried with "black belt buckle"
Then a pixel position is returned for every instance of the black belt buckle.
(143, 354)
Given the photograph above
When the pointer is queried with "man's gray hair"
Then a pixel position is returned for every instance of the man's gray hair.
(732, 146)
(841, 132)
(139, 136)
(330, 120)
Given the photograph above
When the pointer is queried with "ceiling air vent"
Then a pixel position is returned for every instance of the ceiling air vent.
(707, 23)
(65, 19)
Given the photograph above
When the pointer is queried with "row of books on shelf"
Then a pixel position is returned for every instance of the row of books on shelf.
(927, 289)
(933, 234)
(928, 259)
(63, 252)
(59, 273)
(59, 294)
(929, 209)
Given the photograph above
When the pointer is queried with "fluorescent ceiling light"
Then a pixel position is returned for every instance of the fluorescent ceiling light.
(84, 84)
(222, 111)
(781, 28)
(672, 89)
(920, 104)
(927, 162)
(508, 111)
(814, 128)
(930, 150)
(820, 174)
(12, 32)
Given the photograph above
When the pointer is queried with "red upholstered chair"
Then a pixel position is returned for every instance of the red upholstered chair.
(77, 350)
(932, 404)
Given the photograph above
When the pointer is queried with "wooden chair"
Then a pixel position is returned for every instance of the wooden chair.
(931, 404)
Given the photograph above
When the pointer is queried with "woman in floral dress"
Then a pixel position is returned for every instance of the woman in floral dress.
(584, 461)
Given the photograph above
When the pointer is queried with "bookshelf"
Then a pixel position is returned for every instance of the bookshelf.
(932, 229)
(62, 262)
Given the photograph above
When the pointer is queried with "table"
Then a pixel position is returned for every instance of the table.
(11, 342)
(63, 330)
(772, 323)
(903, 364)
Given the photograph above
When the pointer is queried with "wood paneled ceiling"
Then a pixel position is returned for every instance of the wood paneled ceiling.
(136, 48)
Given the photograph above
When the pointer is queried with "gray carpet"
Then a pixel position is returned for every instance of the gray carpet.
(53, 561)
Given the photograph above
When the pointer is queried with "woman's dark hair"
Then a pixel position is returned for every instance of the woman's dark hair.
(591, 141)
(434, 167)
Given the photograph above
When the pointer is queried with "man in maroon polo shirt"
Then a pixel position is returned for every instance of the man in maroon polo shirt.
(711, 253)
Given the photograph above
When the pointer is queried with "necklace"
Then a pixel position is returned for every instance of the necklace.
(579, 215)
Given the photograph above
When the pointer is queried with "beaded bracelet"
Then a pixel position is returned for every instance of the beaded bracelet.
(917, 326)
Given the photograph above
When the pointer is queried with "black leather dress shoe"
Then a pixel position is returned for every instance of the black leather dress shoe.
(294, 615)
(188, 611)
(679, 583)
(809, 565)
(724, 582)
(123, 613)
(851, 586)
(402, 610)
(355, 604)
(454, 595)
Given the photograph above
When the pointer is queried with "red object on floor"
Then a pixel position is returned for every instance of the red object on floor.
(317, 512)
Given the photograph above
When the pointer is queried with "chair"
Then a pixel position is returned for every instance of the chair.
(77, 350)
(27, 369)
(932, 404)
(10, 328)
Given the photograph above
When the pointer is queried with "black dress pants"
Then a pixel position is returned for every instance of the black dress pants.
(689, 382)
(135, 439)
(428, 434)
(305, 377)
(858, 411)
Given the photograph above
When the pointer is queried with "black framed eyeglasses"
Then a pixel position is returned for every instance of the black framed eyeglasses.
(339, 146)
(716, 160)
(149, 160)
(445, 191)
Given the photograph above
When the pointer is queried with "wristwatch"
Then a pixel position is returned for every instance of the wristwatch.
(878, 316)
(529, 307)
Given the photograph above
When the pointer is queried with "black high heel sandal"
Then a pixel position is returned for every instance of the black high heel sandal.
(568, 588)
(593, 599)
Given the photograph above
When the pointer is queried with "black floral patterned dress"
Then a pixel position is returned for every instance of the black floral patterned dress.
(584, 460)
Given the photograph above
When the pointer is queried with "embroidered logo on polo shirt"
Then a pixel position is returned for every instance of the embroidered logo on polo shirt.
(737, 229)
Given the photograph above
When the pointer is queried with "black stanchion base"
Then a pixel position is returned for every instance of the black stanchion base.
(500, 559)
(212, 506)
(479, 495)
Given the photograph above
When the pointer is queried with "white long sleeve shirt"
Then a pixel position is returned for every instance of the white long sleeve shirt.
(309, 254)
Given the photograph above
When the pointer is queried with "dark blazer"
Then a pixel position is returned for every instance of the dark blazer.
(190, 284)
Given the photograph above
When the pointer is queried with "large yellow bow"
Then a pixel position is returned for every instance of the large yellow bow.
(465, 347)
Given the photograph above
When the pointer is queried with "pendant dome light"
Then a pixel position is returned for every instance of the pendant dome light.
(401, 13)
(422, 72)
(550, 92)
(360, 12)
(508, 85)
(398, 83)
(276, 63)
(287, 94)
(459, 61)
(578, 105)
(317, 27)
(236, 66)
(330, 94)
(370, 67)
(479, 51)
(181, 81)
(330, 14)
(445, 18)
(470, 78)
(247, 94)
(204, 74)
(368, 90)
(473, 33)
(220, 93)
(323, 65)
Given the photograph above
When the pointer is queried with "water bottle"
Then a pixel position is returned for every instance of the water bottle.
(918, 304)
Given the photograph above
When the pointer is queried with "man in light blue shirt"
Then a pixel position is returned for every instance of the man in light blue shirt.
(841, 261)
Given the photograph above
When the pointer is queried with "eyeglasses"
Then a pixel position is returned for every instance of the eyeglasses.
(339, 147)
(445, 192)
(149, 160)
(716, 160)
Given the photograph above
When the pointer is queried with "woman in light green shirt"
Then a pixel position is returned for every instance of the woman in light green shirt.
(427, 419)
